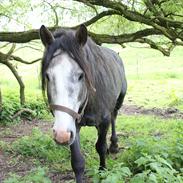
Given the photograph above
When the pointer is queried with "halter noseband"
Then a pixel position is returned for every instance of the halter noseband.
(75, 115)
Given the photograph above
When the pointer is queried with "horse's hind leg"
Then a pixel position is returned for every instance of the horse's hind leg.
(101, 145)
(114, 139)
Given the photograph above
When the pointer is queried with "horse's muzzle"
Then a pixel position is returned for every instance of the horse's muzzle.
(62, 137)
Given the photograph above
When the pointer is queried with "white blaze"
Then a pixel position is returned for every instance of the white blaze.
(64, 89)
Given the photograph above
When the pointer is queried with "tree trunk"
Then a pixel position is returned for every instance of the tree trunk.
(20, 82)
(1, 101)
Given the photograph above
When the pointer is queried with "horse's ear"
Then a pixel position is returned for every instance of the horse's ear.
(82, 34)
(46, 36)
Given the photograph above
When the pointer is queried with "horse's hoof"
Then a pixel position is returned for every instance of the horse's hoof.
(113, 149)
(101, 168)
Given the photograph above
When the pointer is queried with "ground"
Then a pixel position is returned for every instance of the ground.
(149, 124)
(164, 113)
(21, 165)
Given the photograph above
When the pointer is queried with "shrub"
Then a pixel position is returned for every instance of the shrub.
(156, 169)
(11, 106)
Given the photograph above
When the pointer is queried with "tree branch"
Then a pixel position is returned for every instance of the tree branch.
(20, 82)
(166, 52)
(18, 59)
(54, 11)
(23, 110)
(160, 25)
(37, 49)
(5, 45)
(138, 17)
(1, 100)
(26, 36)
(99, 16)
(10, 52)
(123, 38)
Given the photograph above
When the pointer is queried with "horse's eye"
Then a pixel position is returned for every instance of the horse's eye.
(81, 77)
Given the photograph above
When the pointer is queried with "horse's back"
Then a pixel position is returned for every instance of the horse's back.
(115, 68)
(108, 72)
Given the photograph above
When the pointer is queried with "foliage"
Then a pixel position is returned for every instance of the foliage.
(118, 174)
(13, 11)
(37, 175)
(149, 146)
(177, 151)
(36, 108)
(175, 100)
(156, 169)
(164, 139)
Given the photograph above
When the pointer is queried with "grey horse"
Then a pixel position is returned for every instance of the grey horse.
(86, 86)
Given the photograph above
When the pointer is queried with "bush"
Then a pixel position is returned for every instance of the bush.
(118, 174)
(35, 105)
(156, 169)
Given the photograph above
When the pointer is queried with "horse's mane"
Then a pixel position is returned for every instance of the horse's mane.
(65, 40)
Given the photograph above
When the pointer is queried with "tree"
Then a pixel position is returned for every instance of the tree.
(1, 101)
(157, 23)
(157, 17)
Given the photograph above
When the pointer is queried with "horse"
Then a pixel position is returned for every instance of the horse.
(85, 85)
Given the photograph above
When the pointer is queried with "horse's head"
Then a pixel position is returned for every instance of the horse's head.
(65, 77)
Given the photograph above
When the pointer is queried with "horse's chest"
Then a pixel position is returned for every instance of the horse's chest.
(88, 120)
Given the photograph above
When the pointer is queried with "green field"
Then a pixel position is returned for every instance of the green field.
(151, 148)
(153, 79)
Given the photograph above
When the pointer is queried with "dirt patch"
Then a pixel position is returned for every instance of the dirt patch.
(11, 133)
(67, 176)
(140, 110)
(22, 166)
(17, 164)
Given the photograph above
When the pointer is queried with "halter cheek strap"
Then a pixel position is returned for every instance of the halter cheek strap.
(75, 115)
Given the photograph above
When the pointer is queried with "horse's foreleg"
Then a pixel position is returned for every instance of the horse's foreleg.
(101, 145)
(77, 160)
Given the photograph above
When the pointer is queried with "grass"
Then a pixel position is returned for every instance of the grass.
(153, 79)
(37, 175)
(142, 139)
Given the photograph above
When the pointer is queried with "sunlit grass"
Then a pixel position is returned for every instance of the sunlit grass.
(153, 79)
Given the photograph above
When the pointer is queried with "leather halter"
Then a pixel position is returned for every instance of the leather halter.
(75, 115)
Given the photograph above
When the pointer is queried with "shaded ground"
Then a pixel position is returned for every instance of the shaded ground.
(164, 113)
(21, 166)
